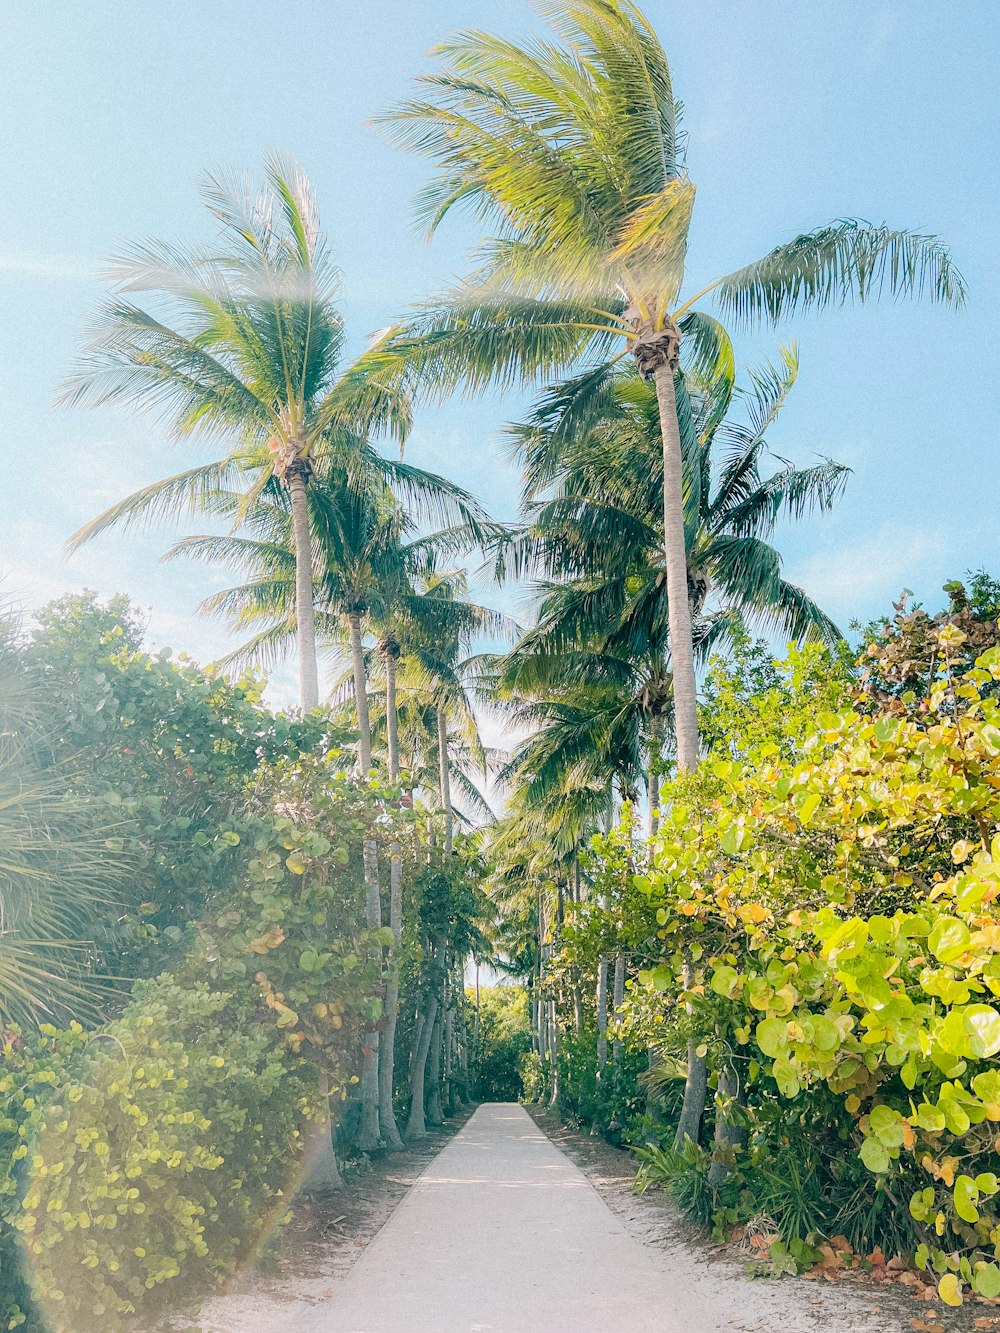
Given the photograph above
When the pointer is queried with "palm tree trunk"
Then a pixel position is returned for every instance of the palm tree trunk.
(618, 996)
(416, 1127)
(554, 1055)
(391, 717)
(387, 1046)
(730, 1134)
(360, 693)
(305, 611)
(321, 1170)
(435, 1112)
(602, 1016)
(464, 1090)
(657, 357)
(475, 1026)
(542, 1039)
(387, 1061)
(443, 768)
(695, 1085)
(448, 1059)
(653, 780)
(369, 1139)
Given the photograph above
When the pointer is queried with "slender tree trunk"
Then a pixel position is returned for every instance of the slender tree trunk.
(475, 1027)
(729, 1131)
(554, 1054)
(445, 775)
(305, 611)
(387, 1057)
(360, 693)
(618, 998)
(390, 651)
(369, 1138)
(653, 781)
(435, 1111)
(695, 1085)
(387, 1046)
(416, 1127)
(544, 1051)
(602, 1016)
(319, 1162)
(577, 1006)
(448, 1061)
(543, 1044)
(465, 1090)
(656, 354)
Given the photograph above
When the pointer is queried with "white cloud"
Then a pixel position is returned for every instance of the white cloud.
(862, 578)
(51, 268)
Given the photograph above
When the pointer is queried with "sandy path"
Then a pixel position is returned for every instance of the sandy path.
(503, 1232)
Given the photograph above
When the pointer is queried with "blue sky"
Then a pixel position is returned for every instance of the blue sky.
(795, 113)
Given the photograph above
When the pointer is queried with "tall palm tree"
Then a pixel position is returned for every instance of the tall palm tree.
(571, 150)
(367, 560)
(240, 340)
(600, 653)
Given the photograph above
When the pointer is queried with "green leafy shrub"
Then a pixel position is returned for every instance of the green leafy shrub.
(825, 910)
(147, 1155)
(504, 1041)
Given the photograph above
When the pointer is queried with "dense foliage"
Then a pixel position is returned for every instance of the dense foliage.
(502, 1043)
(814, 928)
(146, 1152)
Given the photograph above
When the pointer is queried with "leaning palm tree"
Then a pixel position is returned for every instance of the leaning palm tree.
(571, 150)
(240, 340)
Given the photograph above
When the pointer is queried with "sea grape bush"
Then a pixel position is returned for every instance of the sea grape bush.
(169, 749)
(825, 917)
(145, 1155)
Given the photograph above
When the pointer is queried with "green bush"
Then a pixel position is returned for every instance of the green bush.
(146, 1156)
(504, 1042)
(825, 908)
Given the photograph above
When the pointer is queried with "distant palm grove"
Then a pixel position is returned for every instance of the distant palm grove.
(740, 871)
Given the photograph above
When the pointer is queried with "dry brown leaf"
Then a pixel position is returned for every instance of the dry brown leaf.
(830, 1258)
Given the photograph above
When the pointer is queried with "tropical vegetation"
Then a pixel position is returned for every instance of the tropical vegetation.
(736, 864)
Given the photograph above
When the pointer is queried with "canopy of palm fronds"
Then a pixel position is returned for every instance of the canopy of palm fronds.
(593, 508)
(61, 869)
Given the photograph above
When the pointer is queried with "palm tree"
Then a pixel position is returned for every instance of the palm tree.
(242, 341)
(367, 560)
(440, 673)
(599, 653)
(572, 149)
